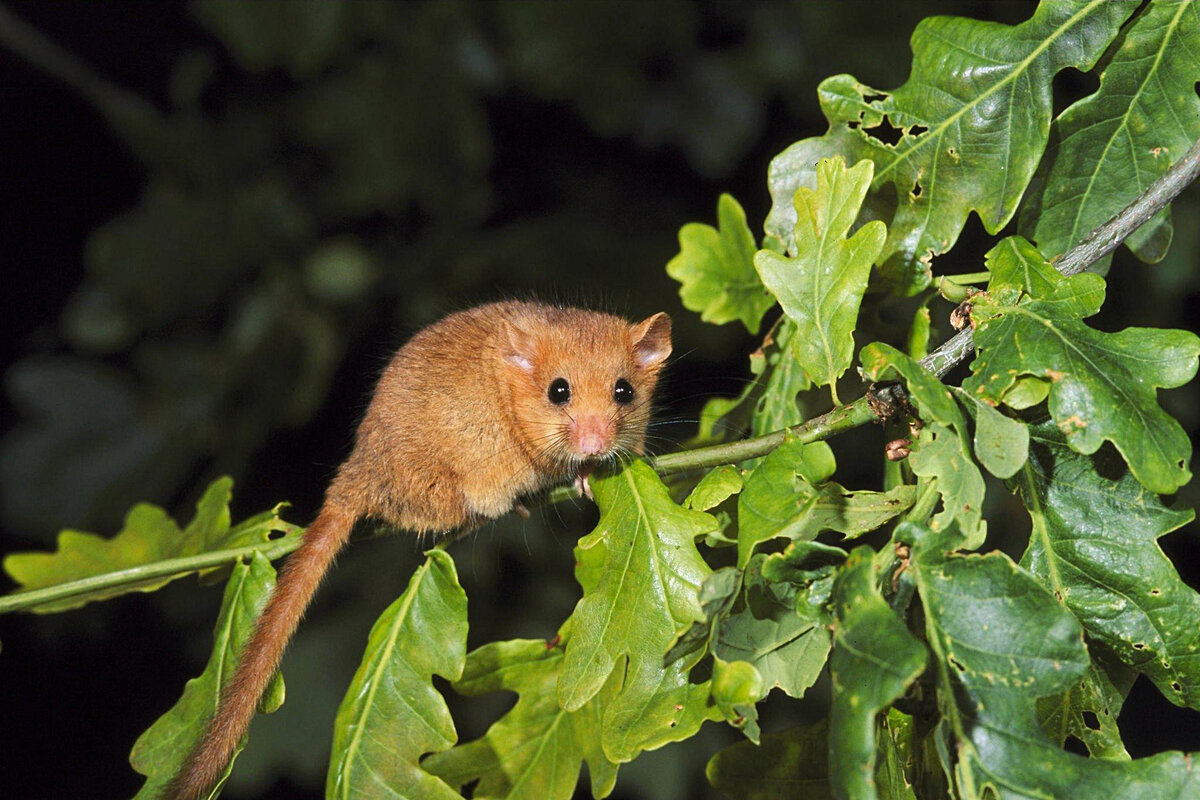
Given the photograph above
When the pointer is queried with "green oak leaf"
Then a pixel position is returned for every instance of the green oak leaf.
(641, 573)
(771, 502)
(1089, 710)
(535, 751)
(1001, 442)
(717, 486)
(943, 448)
(160, 751)
(874, 660)
(779, 631)
(392, 714)
(1000, 641)
(1094, 544)
(821, 287)
(794, 764)
(1110, 146)
(973, 119)
(148, 536)
(716, 269)
(1103, 385)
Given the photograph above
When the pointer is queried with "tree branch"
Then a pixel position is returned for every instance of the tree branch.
(1097, 244)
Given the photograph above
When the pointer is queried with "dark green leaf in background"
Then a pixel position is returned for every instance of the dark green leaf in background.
(160, 751)
(1094, 544)
(392, 714)
(1001, 641)
(790, 764)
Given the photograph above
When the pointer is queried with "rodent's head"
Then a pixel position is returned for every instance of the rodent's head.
(581, 382)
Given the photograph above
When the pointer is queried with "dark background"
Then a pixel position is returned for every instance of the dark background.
(221, 224)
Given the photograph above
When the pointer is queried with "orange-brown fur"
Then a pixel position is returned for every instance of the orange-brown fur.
(459, 428)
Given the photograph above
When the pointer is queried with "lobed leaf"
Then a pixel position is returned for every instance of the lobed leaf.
(1094, 544)
(973, 118)
(392, 714)
(148, 536)
(537, 748)
(1110, 146)
(1102, 385)
(782, 631)
(821, 287)
(771, 503)
(1088, 711)
(160, 751)
(715, 268)
(640, 572)
(1001, 641)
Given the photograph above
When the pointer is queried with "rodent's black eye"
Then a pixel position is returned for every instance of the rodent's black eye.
(560, 391)
(623, 392)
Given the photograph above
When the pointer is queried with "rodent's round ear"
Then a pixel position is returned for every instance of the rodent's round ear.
(516, 345)
(651, 340)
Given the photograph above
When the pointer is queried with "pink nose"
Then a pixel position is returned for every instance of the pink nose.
(591, 436)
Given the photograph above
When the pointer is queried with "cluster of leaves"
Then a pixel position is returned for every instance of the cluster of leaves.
(952, 671)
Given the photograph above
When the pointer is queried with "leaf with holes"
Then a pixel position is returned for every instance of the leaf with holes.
(973, 119)
(149, 536)
(1103, 385)
(536, 750)
(1111, 145)
(641, 574)
(160, 751)
(1088, 711)
(1001, 641)
(1094, 544)
(716, 269)
(821, 287)
(392, 714)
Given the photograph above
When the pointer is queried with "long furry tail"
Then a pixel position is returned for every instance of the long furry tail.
(296, 586)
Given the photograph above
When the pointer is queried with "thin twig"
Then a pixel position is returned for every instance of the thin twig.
(1097, 244)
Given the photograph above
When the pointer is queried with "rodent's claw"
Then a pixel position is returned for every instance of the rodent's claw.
(582, 486)
(520, 510)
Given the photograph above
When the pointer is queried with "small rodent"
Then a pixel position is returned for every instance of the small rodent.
(477, 410)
